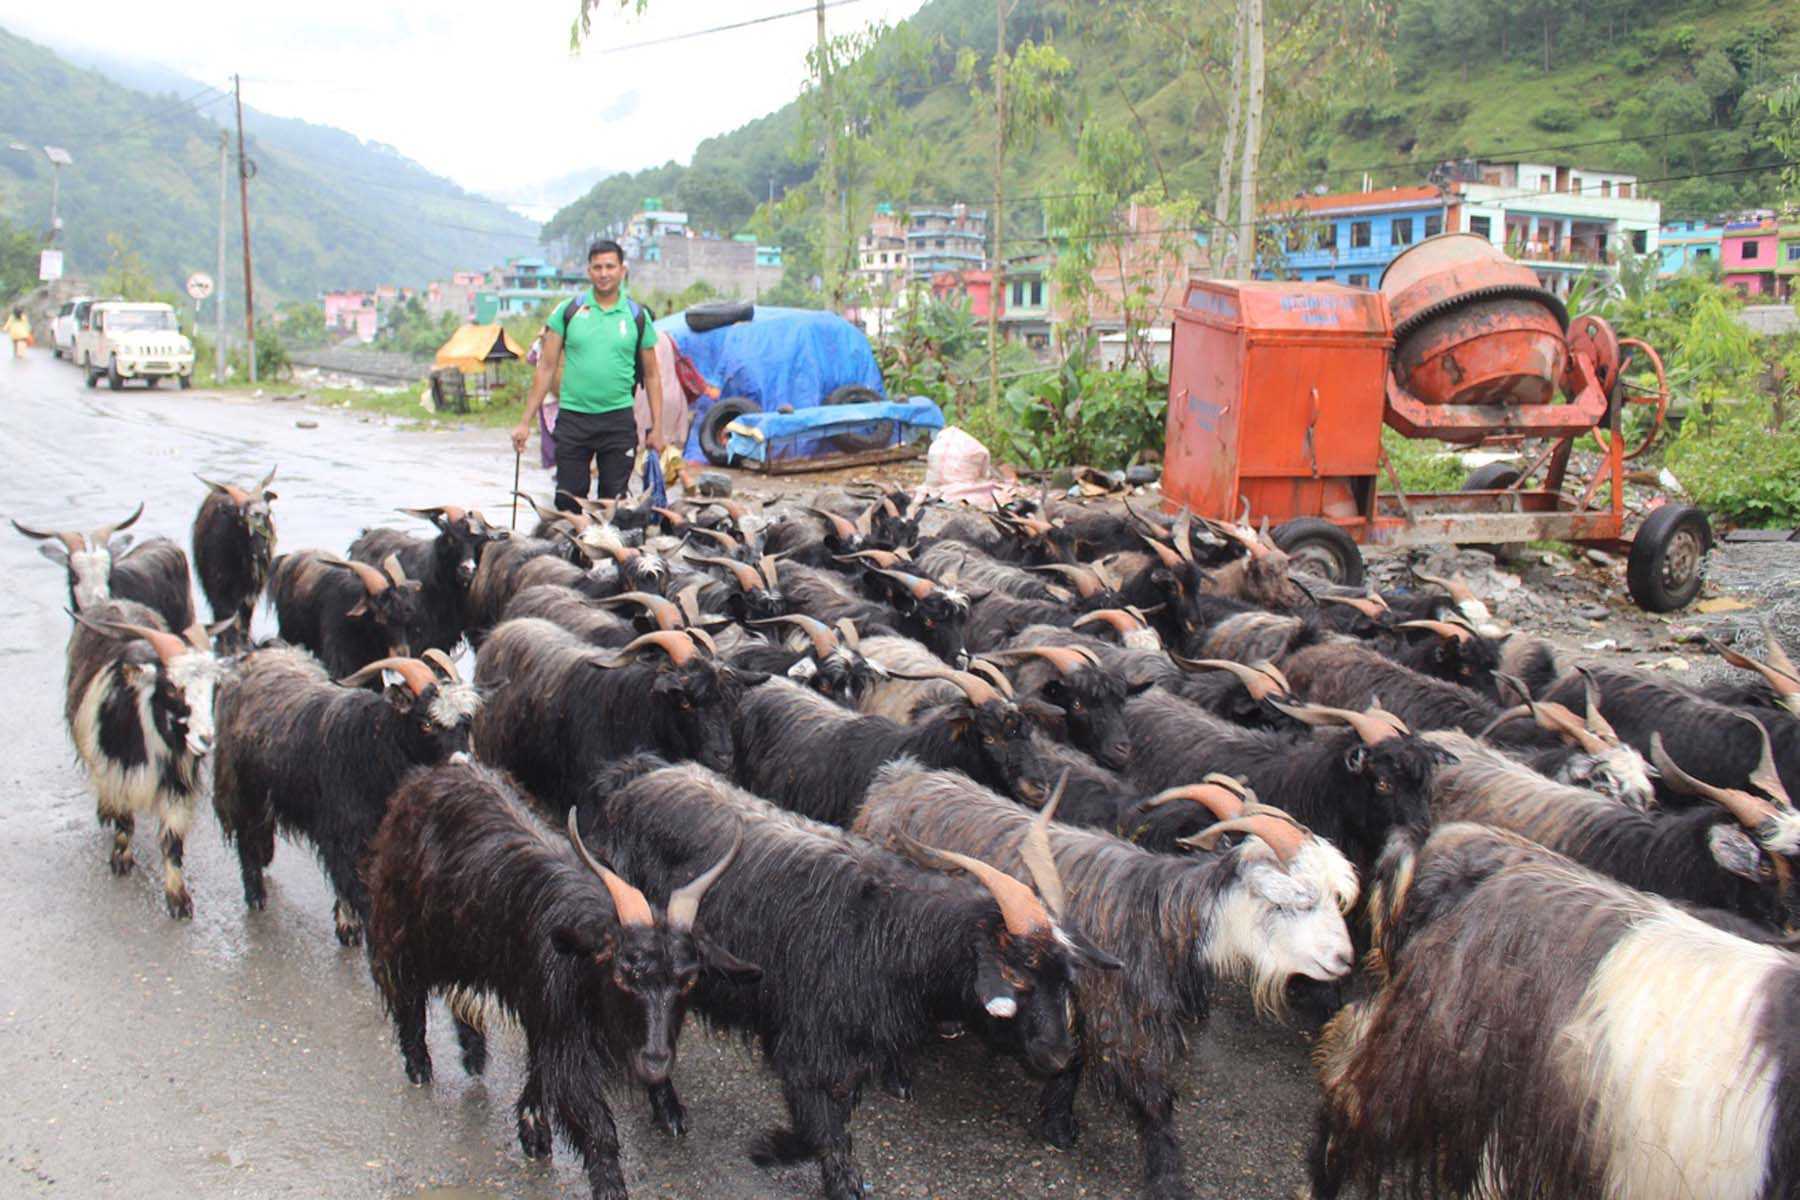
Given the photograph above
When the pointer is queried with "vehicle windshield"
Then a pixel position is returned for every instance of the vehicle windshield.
(132, 319)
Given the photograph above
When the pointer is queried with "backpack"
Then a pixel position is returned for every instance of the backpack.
(639, 314)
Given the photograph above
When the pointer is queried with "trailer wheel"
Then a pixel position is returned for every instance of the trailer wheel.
(1317, 546)
(713, 423)
(1668, 558)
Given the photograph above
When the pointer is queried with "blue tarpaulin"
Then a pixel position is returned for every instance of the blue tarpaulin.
(792, 356)
(838, 428)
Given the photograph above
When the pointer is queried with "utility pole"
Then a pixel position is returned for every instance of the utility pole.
(237, 96)
(830, 206)
(219, 286)
(996, 220)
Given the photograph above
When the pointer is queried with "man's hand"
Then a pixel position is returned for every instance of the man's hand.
(520, 437)
(656, 441)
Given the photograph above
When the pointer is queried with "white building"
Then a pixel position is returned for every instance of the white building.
(1561, 221)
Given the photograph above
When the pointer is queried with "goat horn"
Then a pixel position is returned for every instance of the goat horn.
(74, 543)
(1181, 533)
(884, 558)
(395, 572)
(537, 506)
(1370, 727)
(1282, 833)
(676, 643)
(677, 520)
(994, 675)
(441, 661)
(824, 641)
(1778, 670)
(1020, 909)
(1086, 580)
(426, 514)
(684, 902)
(865, 524)
(1066, 659)
(1123, 621)
(1766, 777)
(847, 628)
(628, 903)
(263, 486)
(1517, 685)
(168, 647)
(1040, 859)
(1261, 683)
(1752, 812)
(1369, 606)
(1456, 585)
(104, 534)
(236, 494)
(920, 588)
(725, 540)
(745, 574)
(661, 608)
(1443, 629)
(373, 581)
(1169, 558)
(417, 675)
(1222, 801)
(844, 529)
(1596, 723)
(686, 609)
(771, 575)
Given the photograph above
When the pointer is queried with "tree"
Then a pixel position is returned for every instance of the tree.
(713, 200)
(126, 276)
(18, 260)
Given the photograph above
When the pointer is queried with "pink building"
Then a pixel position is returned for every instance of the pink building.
(1747, 256)
(350, 313)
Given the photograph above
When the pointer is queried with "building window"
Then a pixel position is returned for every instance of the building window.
(1703, 252)
(1640, 241)
(1544, 183)
(1037, 292)
(1606, 187)
(1624, 190)
(1793, 252)
(1359, 233)
(1484, 226)
(1751, 250)
(1402, 231)
(1361, 281)
(1434, 226)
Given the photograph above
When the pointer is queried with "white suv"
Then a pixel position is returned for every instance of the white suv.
(63, 325)
(124, 340)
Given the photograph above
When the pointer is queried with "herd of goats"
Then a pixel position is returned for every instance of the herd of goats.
(843, 786)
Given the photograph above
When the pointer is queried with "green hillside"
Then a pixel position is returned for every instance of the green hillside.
(1670, 89)
(327, 210)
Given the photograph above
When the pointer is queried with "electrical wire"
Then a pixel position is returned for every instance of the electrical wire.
(808, 11)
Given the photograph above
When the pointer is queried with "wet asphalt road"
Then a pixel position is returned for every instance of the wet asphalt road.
(246, 1055)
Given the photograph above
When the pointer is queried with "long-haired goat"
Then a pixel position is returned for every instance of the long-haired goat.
(301, 755)
(863, 950)
(934, 615)
(557, 709)
(827, 660)
(101, 568)
(471, 895)
(1544, 1031)
(444, 567)
(1091, 697)
(1263, 910)
(139, 705)
(234, 545)
(347, 613)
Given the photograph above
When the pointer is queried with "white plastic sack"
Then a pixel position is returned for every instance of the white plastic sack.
(959, 468)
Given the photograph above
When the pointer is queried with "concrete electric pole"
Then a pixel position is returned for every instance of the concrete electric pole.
(237, 96)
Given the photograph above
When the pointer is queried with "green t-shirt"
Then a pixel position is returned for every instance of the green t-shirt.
(599, 354)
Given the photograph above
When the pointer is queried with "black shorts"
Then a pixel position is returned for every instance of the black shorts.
(608, 440)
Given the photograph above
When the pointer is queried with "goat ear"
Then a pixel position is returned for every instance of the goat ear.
(1734, 850)
(1053, 719)
(717, 958)
(137, 674)
(121, 543)
(991, 989)
(359, 609)
(1356, 759)
(399, 696)
(581, 943)
(1086, 953)
(54, 552)
(1138, 689)
(752, 679)
(270, 497)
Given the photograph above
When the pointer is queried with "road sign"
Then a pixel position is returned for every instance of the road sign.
(50, 265)
(199, 285)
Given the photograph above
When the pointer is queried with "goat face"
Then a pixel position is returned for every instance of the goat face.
(1094, 706)
(439, 719)
(1770, 888)
(1620, 774)
(692, 708)
(938, 619)
(396, 612)
(462, 541)
(1393, 777)
(1470, 661)
(1280, 919)
(638, 979)
(181, 700)
(1029, 982)
(844, 676)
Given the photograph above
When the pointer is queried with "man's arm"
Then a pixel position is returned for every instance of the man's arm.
(655, 439)
(549, 359)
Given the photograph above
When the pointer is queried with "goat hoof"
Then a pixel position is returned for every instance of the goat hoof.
(122, 862)
(534, 1134)
(897, 1083)
(474, 1059)
(181, 905)
(1168, 1188)
(259, 900)
(418, 1072)
(673, 1122)
(1061, 1131)
(349, 935)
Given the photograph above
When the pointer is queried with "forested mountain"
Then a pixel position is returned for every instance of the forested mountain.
(1670, 89)
(327, 210)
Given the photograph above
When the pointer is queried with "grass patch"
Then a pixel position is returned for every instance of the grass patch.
(1423, 465)
(501, 411)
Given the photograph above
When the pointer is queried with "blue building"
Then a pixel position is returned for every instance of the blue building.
(1684, 243)
(1350, 237)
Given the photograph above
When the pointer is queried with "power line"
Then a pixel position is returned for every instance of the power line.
(808, 11)
(181, 108)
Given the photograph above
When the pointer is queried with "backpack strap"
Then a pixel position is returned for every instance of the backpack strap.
(640, 314)
(576, 303)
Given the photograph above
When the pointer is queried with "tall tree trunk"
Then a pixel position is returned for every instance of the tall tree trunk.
(833, 256)
(1546, 41)
(1221, 252)
(1253, 111)
(997, 219)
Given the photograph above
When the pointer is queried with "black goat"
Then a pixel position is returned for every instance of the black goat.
(472, 896)
(558, 709)
(930, 613)
(444, 567)
(863, 950)
(306, 757)
(831, 662)
(581, 615)
(234, 544)
(1264, 910)
(101, 568)
(1090, 697)
(347, 613)
(139, 705)
(747, 593)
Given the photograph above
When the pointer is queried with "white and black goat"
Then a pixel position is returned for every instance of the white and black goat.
(102, 566)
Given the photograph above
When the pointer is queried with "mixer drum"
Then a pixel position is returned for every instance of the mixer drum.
(1472, 327)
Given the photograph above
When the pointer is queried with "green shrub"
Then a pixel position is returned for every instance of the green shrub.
(1423, 465)
(1073, 416)
(1557, 118)
(1741, 461)
(1632, 60)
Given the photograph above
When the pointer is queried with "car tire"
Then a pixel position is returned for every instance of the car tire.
(716, 314)
(187, 381)
(853, 393)
(114, 380)
(87, 365)
(713, 423)
(1494, 476)
(55, 351)
(1667, 564)
(1321, 548)
(150, 381)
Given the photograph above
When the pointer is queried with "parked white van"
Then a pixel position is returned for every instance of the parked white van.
(63, 325)
(130, 340)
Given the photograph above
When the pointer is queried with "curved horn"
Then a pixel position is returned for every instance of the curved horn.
(1040, 859)
(993, 674)
(104, 534)
(1181, 533)
(441, 661)
(233, 492)
(1282, 834)
(842, 527)
(263, 486)
(1369, 727)
(725, 540)
(1066, 659)
(770, 573)
(1369, 606)
(395, 572)
(1169, 558)
(847, 628)
(675, 519)
(1751, 811)
(1596, 723)
(373, 581)
(537, 506)
(865, 524)
(978, 690)
(1122, 621)
(168, 647)
(1223, 802)
(684, 902)
(676, 643)
(1087, 581)
(1259, 683)
(1778, 670)
(1443, 629)
(1456, 586)
(663, 610)
(628, 903)
(746, 576)
(882, 558)
(824, 641)
(416, 674)
(74, 543)
(920, 588)
(1020, 909)
(1766, 777)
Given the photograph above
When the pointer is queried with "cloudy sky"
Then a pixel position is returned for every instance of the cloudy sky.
(485, 93)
